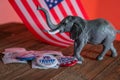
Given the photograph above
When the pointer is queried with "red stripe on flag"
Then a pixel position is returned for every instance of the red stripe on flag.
(57, 19)
(79, 3)
(25, 10)
(41, 12)
(24, 2)
(71, 7)
(15, 6)
(24, 19)
(62, 10)
(55, 15)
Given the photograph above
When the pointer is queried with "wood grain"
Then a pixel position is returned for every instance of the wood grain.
(16, 35)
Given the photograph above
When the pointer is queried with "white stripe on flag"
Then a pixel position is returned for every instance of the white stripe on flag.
(77, 9)
(33, 24)
(43, 4)
(42, 21)
(67, 9)
(60, 16)
(58, 12)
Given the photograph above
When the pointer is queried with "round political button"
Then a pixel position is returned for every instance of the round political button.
(47, 61)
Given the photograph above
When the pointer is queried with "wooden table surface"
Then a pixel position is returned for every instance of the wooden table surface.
(16, 35)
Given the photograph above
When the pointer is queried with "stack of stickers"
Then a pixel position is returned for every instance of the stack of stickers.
(40, 59)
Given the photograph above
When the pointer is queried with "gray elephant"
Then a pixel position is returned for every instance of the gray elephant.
(98, 31)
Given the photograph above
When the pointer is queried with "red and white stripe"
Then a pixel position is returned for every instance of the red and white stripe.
(35, 20)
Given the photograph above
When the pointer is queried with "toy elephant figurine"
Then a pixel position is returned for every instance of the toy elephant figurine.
(98, 31)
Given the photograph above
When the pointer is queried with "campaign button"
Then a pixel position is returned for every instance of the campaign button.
(47, 61)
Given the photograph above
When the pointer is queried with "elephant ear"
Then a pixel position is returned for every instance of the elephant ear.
(79, 27)
(75, 32)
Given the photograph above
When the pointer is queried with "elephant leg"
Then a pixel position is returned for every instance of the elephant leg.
(113, 50)
(105, 49)
(78, 46)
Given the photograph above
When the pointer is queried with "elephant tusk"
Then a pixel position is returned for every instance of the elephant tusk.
(54, 32)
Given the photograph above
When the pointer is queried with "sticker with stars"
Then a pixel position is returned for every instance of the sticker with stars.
(52, 3)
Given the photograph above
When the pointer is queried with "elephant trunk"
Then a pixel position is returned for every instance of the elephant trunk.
(49, 22)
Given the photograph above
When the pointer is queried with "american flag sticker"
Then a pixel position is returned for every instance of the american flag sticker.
(52, 3)
(35, 20)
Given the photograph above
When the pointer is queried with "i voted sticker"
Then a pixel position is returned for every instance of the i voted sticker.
(47, 61)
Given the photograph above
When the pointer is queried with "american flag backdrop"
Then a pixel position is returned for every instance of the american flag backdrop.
(35, 20)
